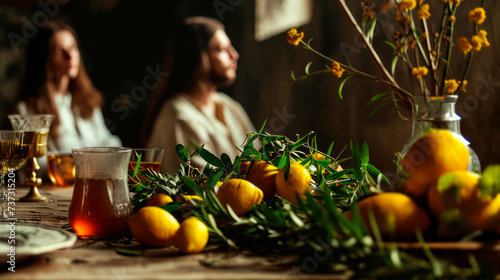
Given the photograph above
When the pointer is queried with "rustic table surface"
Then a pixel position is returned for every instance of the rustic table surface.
(99, 259)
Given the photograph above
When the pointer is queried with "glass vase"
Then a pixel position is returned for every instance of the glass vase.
(438, 113)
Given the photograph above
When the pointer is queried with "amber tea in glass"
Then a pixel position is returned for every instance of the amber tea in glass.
(97, 210)
(150, 158)
(61, 167)
(101, 200)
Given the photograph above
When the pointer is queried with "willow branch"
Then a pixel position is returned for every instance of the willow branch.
(450, 46)
(416, 37)
(432, 58)
(351, 71)
(390, 79)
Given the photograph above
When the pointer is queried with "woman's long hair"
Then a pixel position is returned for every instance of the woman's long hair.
(187, 65)
(36, 90)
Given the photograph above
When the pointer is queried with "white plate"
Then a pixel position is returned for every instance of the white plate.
(32, 240)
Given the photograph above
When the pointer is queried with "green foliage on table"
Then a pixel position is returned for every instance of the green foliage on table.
(315, 227)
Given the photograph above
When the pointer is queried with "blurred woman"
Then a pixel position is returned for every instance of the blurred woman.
(56, 82)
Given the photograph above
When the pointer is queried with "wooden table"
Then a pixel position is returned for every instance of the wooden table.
(99, 260)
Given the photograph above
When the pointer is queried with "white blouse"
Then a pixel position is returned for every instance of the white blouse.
(74, 131)
(182, 120)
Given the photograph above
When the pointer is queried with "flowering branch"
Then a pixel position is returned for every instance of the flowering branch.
(431, 51)
(404, 95)
(348, 69)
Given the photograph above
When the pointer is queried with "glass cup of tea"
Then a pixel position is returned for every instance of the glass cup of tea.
(61, 167)
(101, 201)
(149, 158)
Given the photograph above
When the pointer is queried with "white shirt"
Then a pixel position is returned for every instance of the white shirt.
(181, 120)
(74, 131)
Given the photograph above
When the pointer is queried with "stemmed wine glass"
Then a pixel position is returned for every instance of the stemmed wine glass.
(40, 124)
(14, 150)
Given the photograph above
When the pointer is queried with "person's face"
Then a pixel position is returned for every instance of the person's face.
(64, 55)
(223, 59)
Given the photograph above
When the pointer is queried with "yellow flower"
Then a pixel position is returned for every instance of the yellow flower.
(476, 43)
(452, 18)
(424, 12)
(413, 44)
(370, 14)
(368, 9)
(419, 71)
(462, 86)
(293, 37)
(482, 34)
(478, 15)
(407, 5)
(451, 85)
(404, 5)
(464, 45)
(336, 69)
(399, 16)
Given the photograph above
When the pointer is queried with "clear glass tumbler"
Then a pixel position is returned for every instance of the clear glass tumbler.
(101, 200)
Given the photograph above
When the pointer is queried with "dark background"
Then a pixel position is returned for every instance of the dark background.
(124, 41)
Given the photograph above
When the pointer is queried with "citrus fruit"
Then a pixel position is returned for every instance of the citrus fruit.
(318, 156)
(298, 183)
(152, 226)
(460, 191)
(192, 236)
(437, 152)
(240, 194)
(263, 176)
(159, 199)
(187, 198)
(396, 215)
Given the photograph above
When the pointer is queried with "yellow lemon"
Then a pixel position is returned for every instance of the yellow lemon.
(460, 190)
(435, 153)
(152, 226)
(396, 215)
(192, 236)
(240, 195)
(298, 183)
(159, 199)
(318, 156)
(263, 176)
(187, 198)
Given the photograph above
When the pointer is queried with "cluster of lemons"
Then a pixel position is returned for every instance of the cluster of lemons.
(440, 197)
(153, 226)
(262, 182)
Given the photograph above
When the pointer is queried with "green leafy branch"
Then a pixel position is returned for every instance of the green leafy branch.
(316, 226)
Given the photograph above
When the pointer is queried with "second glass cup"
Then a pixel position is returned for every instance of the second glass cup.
(61, 167)
(150, 158)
